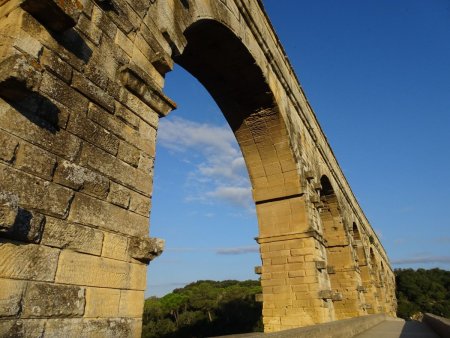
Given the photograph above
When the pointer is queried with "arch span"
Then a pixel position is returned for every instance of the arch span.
(81, 94)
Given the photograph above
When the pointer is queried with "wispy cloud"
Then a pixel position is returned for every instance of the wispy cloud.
(220, 172)
(239, 196)
(237, 250)
(240, 250)
(422, 259)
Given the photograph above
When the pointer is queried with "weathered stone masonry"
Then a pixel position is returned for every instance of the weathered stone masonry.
(81, 93)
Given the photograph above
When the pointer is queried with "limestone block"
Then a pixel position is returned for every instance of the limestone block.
(119, 195)
(93, 92)
(19, 76)
(140, 204)
(8, 148)
(119, 128)
(145, 249)
(337, 296)
(90, 211)
(35, 161)
(116, 169)
(129, 154)
(138, 276)
(115, 246)
(102, 303)
(56, 65)
(259, 297)
(127, 116)
(9, 210)
(93, 328)
(59, 142)
(148, 134)
(27, 227)
(11, 292)
(142, 110)
(89, 29)
(27, 261)
(61, 92)
(101, 20)
(146, 163)
(131, 303)
(326, 294)
(44, 300)
(35, 193)
(80, 269)
(56, 15)
(258, 270)
(124, 42)
(83, 179)
(139, 83)
(22, 328)
(321, 265)
(361, 288)
(62, 234)
(93, 133)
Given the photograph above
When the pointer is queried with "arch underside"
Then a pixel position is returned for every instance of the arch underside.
(81, 93)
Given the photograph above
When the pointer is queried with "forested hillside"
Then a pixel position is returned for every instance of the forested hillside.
(423, 291)
(204, 308)
(209, 308)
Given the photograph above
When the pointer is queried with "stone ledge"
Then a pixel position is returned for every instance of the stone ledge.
(338, 329)
(438, 324)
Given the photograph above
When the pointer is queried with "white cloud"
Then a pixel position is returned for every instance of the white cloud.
(220, 172)
(238, 250)
(238, 196)
(180, 135)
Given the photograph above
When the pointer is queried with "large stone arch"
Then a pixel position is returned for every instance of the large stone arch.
(81, 94)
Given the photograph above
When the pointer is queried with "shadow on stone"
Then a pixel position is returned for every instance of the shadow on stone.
(413, 328)
(35, 107)
(27, 227)
(72, 41)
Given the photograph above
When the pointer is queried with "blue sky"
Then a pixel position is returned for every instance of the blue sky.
(377, 74)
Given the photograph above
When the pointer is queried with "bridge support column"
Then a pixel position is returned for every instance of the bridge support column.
(293, 270)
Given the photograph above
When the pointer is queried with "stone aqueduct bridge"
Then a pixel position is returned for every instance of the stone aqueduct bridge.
(81, 87)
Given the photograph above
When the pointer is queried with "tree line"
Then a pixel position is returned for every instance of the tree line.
(204, 309)
(210, 308)
(422, 291)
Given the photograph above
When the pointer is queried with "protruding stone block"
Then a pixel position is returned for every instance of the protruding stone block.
(309, 174)
(55, 14)
(8, 211)
(18, 77)
(320, 265)
(146, 89)
(258, 270)
(330, 270)
(326, 294)
(27, 227)
(337, 296)
(361, 288)
(145, 249)
(259, 297)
